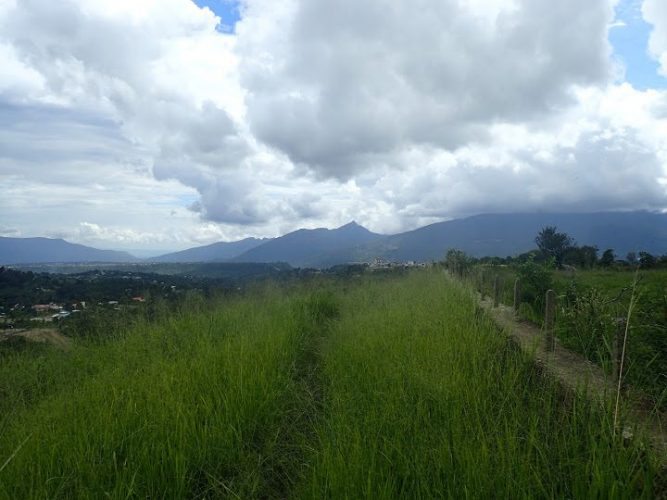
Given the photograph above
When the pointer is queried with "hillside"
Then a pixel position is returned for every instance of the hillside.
(482, 235)
(313, 247)
(219, 251)
(510, 234)
(40, 250)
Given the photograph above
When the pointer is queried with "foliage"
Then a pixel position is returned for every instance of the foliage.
(28, 288)
(458, 262)
(536, 279)
(607, 258)
(584, 257)
(646, 260)
(553, 244)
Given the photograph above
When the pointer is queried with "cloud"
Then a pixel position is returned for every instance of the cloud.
(598, 156)
(102, 83)
(351, 80)
(140, 121)
(72, 142)
(655, 13)
(132, 238)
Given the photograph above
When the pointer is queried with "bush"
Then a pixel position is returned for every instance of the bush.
(535, 280)
(458, 262)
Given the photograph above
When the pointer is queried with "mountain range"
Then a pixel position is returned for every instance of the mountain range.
(37, 250)
(510, 234)
(215, 252)
(313, 247)
(480, 235)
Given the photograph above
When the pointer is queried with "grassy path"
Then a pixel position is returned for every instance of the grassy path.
(296, 433)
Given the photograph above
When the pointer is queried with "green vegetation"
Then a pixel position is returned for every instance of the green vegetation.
(115, 293)
(590, 303)
(426, 399)
(194, 404)
(593, 299)
(28, 288)
(98, 295)
(379, 387)
(553, 244)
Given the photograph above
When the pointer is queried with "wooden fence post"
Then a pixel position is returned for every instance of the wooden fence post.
(617, 348)
(549, 320)
(517, 295)
(496, 291)
(482, 279)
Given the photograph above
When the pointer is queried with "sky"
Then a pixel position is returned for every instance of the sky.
(158, 125)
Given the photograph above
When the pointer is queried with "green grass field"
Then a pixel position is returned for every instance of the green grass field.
(377, 387)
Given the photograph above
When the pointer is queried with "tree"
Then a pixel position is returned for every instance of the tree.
(553, 244)
(607, 258)
(646, 260)
(584, 257)
(458, 262)
(535, 279)
(589, 255)
(631, 257)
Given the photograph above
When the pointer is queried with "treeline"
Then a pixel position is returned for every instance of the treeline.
(559, 250)
(106, 299)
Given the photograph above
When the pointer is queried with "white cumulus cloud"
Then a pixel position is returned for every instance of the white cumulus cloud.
(655, 13)
(139, 121)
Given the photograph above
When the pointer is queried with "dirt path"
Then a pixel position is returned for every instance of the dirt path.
(579, 374)
(42, 335)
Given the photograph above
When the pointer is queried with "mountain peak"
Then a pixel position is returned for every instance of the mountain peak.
(352, 225)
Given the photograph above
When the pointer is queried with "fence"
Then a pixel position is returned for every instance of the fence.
(499, 293)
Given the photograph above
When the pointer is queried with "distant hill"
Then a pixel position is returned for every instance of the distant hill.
(313, 247)
(215, 252)
(41, 250)
(510, 234)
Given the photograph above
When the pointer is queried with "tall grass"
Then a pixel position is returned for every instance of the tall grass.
(377, 388)
(193, 405)
(425, 398)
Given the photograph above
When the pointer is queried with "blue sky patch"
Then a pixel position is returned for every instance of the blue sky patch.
(226, 10)
(629, 39)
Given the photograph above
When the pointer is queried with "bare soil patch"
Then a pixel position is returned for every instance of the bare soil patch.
(42, 335)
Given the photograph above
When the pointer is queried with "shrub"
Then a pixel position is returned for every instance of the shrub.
(535, 279)
(458, 262)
